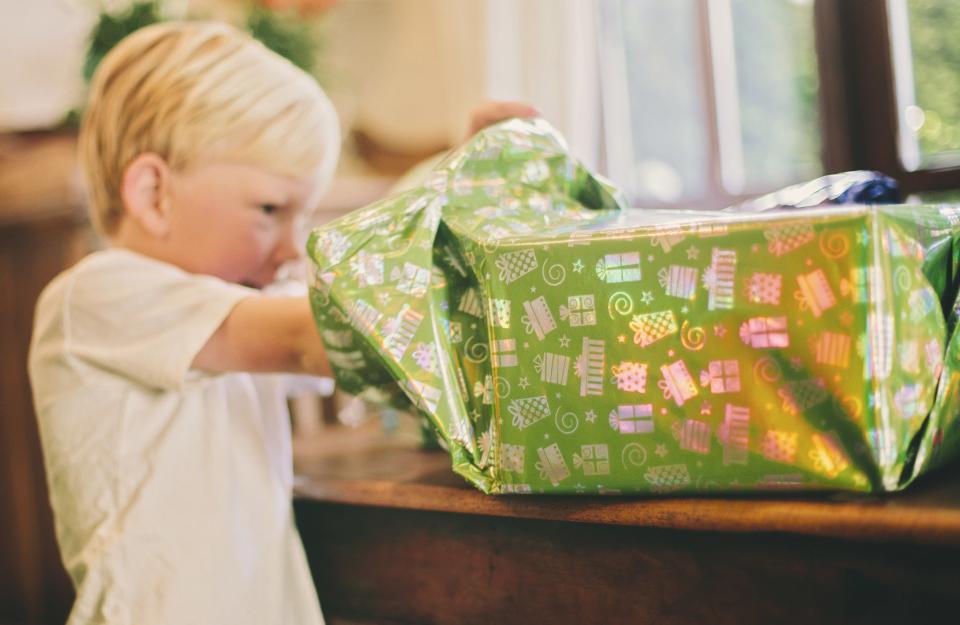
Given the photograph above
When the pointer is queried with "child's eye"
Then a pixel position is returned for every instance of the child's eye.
(268, 209)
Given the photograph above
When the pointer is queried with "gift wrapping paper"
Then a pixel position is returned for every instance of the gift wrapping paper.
(559, 342)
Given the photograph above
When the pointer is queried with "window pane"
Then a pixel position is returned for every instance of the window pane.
(935, 49)
(661, 62)
(777, 88)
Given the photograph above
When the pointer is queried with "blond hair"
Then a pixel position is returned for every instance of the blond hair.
(197, 91)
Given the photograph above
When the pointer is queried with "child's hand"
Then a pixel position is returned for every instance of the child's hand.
(493, 111)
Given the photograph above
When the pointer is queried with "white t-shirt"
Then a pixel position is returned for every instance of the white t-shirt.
(171, 488)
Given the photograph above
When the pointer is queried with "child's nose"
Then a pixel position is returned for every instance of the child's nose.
(288, 248)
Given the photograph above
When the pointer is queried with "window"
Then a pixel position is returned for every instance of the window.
(708, 100)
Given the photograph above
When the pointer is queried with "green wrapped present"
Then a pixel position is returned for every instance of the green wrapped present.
(561, 343)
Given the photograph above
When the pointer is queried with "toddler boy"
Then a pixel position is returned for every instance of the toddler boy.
(167, 449)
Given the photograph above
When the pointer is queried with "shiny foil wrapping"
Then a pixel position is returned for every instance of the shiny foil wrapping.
(559, 342)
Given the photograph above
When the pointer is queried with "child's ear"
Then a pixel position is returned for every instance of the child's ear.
(145, 188)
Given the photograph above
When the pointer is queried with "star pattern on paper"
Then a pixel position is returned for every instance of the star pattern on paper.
(684, 310)
(475, 414)
(580, 487)
(692, 253)
(622, 338)
(719, 330)
(646, 297)
(526, 344)
(564, 341)
(706, 408)
(796, 363)
(383, 297)
(661, 450)
(846, 318)
(863, 238)
(524, 383)
(578, 266)
(590, 416)
(533, 289)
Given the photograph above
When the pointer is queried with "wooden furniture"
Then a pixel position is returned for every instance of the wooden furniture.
(42, 231)
(393, 535)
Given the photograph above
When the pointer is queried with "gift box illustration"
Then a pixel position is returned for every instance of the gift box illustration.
(807, 348)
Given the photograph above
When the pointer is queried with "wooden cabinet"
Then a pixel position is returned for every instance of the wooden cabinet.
(393, 535)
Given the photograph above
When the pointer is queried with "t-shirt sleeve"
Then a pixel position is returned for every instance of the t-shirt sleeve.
(143, 319)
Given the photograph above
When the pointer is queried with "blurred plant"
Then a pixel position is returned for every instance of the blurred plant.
(288, 27)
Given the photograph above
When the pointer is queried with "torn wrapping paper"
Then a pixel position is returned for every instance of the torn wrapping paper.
(560, 343)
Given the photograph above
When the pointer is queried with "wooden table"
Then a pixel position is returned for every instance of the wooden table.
(393, 536)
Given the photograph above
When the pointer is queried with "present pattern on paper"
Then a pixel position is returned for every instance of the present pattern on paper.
(779, 446)
(553, 368)
(424, 396)
(593, 459)
(484, 390)
(909, 356)
(499, 310)
(815, 294)
(648, 328)
(413, 280)
(511, 457)
(679, 281)
(720, 278)
(551, 465)
(861, 286)
(338, 339)
(505, 353)
(721, 376)
(333, 244)
(515, 265)
(581, 310)
(922, 302)
(765, 332)
(528, 410)
(827, 455)
(632, 418)
(677, 383)
(667, 477)
(832, 349)
(695, 436)
(425, 355)
(764, 288)
(538, 318)
(784, 239)
(878, 361)
(734, 434)
(367, 269)
(802, 395)
(630, 376)
(907, 400)
(470, 303)
(346, 360)
(589, 367)
(666, 238)
(614, 268)
(399, 331)
(364, 317)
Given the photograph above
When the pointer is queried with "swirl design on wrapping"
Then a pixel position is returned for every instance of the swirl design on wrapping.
(502, 386)
(633, 455)
(567, 423)
(621, 303)
(491, 245)
(692, 337)
(556, 274)
(834, 245)
(476, 352)
(901, 279)
(767, 369)
(852, 406)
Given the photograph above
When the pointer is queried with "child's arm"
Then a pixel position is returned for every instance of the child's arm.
(263, 334)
